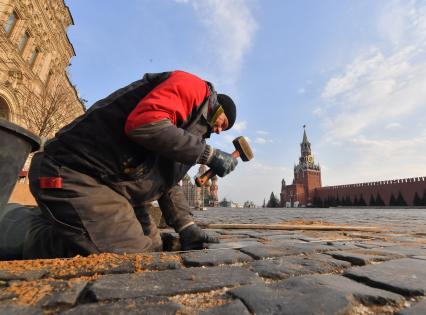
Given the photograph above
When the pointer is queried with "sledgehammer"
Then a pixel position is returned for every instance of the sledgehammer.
(242, 150)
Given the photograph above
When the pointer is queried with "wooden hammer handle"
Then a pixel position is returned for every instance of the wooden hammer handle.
(200, 181)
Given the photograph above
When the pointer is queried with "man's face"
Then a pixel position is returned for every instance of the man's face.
(220, 124)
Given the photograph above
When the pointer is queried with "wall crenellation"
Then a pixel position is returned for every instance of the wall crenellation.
(379, 183)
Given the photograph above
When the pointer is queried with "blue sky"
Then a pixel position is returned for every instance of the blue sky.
(353, 71)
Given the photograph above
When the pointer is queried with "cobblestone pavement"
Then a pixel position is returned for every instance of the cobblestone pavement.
(249, 272)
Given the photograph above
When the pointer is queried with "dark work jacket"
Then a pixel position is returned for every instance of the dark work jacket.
(96, 144)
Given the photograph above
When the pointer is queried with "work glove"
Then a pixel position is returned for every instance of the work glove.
(193, 237)
(222, 163)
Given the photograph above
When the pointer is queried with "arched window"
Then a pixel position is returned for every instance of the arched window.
(4, 109)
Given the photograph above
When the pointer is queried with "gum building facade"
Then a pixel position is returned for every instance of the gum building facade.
(35, 51)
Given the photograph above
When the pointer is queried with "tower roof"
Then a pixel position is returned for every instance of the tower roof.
(305, 137)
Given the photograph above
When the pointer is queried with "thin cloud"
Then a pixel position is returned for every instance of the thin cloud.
(262, 132)
(261, 140)
(230, 30)
(240, 126)
(380, 85)
(393, 125)
(379, 91)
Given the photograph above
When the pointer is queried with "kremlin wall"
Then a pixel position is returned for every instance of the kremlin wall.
(306, 189)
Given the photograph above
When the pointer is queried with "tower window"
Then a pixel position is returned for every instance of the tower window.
(24, 40)
(10, 23)
(33, 57)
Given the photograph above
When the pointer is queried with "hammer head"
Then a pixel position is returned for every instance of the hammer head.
(243, 148)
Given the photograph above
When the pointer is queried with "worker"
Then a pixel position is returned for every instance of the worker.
(96, 179)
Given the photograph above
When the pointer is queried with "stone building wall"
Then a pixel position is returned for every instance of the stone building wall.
(381, 193)
(34, 55)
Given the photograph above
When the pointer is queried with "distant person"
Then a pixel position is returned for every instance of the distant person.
(95, 180)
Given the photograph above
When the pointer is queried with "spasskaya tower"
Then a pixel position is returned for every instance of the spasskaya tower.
(307, 177)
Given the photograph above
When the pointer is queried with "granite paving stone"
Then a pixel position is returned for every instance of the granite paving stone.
(309, 239)
(289, 266)
(366, 245)
(65, 294)
(161, 261)
(330, 294)
(113, 267)
(419, 257)
(236, 232)
(170, 282)
(233, 244)
(13, 309)
(341, 245)
(382, 243)
(405, 276)
(5, 295)
(236, 307)
(262, 234)
(146, 305)
(277, 250)
(361, 257)
(282, 237)
(214, 257)
(27, 275)
(406, 251)
(415, 309)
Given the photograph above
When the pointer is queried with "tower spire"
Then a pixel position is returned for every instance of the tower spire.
(305, 137)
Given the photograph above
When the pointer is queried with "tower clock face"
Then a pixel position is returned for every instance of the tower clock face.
(310, 159)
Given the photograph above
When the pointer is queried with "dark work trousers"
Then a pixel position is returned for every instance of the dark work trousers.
(91, 217)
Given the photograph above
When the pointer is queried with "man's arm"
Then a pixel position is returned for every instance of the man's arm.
(154, 123)
(164, 138)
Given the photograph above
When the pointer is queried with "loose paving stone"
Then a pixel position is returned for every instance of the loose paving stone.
(147, 305)
(405, 276)
(361, 257)
(235, 244)
(13, 309)
(416, 309)
(214, 257)
(65, 296)
(329, 294)
(234, 308)
(169, 282)
(290, 266)
(278, 250)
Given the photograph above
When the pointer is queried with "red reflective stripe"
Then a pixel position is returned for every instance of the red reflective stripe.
(50, 182)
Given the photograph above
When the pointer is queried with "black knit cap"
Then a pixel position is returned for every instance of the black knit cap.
(229, 108)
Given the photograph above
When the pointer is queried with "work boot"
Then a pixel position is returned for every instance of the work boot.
(193, 237)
